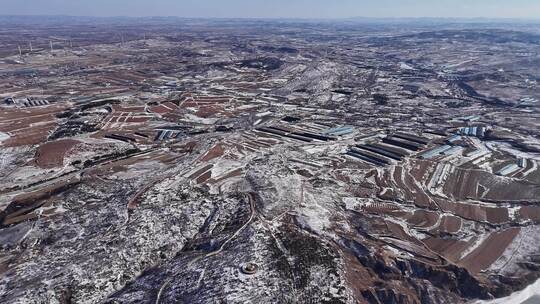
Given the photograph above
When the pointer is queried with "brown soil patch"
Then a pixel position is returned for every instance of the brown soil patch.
(449, 248)
(137, 119)
(234, 173)
(51, 154)
(28, 126)
(204, 177)
(134, 109)
(530, 213)
(497, 215)
(160, 109)
(32, 136)
(200, 171)
(214, 152)
(423, 219)
(476, 213)
(208, 111)
(450, 224)
(489, 251)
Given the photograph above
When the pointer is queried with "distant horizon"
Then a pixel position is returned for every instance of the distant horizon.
(278, 18)
(278, 9)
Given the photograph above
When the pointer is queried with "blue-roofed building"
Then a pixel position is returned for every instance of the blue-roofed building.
(471, 118)
(509, 169)
(453, 139)
(339, 131)
(477, 131)
(435, 152)
(452, 151)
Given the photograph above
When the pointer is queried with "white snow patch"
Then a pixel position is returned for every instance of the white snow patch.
(224, 167)
(267, 113)
(404, 66)
(355, 203)
(3, 137)
(315, 216)
(532, 169)
(204, 121)
(476, 244)
(531, 293)
(513, 212)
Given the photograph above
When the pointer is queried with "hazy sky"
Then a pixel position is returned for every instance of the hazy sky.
(277, 8)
